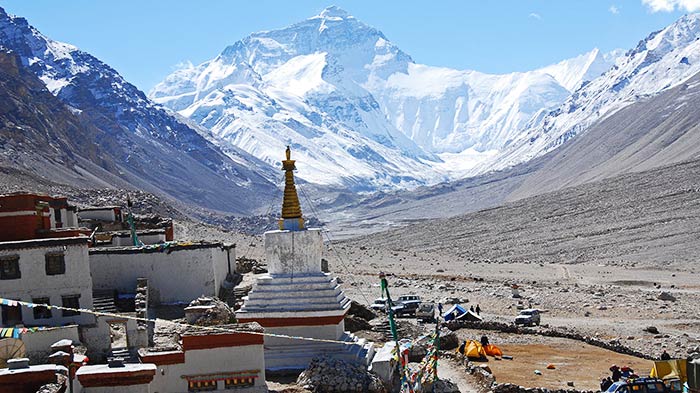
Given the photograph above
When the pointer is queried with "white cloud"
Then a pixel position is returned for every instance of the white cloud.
(614, 9)
(535, 15)
(671, 5)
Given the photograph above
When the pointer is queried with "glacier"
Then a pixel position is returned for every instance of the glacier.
(357, 110)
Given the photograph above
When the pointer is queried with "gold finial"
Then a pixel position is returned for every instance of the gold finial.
(291, 210)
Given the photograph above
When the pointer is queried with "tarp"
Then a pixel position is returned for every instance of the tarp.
(493, 350)
(454, 312)
(670, 369)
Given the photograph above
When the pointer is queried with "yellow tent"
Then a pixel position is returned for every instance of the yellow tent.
(472, 349)
(670, 369)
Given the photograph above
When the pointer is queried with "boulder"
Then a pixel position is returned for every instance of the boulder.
(667, 297)
(651, 329)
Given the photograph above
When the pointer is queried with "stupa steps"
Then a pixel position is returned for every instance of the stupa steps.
(298, 356)
(297, 278)
(289, 307)
(300, 296)
(281, 289)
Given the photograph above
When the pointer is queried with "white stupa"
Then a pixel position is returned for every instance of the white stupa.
(295, 297)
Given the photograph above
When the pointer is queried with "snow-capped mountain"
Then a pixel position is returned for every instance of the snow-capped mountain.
(357, 110)
(663, 60)
(151, 147)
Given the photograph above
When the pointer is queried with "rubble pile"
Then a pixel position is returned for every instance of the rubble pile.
(249, 265)
(445, 386)
(335, 375)
(358, 318)
(209, 311)
(512, 388)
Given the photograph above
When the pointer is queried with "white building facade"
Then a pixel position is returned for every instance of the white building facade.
(45, 271)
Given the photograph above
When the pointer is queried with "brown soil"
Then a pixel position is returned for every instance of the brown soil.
(581, 363)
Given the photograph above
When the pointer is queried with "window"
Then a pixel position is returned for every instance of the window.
(9, 267)
(238, 383)
(201, 386)
(72, 301)
(55, 263)
(41, 312)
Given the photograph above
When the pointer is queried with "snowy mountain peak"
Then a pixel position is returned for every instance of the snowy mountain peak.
(333, 12)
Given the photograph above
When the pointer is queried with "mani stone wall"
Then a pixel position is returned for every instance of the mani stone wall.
(177, 273)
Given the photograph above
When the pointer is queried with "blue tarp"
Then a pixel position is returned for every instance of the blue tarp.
(454, 312)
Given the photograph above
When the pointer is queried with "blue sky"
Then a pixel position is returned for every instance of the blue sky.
(145, 39)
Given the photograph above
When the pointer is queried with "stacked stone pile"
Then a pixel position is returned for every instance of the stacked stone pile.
(218, 312)
(512, 388)
(335, 375)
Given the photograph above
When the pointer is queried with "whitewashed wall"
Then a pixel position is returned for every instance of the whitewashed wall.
(35, 283)
(179, 276)
(38, 344)
(207, 361)
(293, 252)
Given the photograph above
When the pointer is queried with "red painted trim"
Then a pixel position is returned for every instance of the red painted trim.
(140, 377)
(163, 359)
(282, 322)
(220, 341)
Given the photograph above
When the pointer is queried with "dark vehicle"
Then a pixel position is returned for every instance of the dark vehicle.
(640, 385)
(405, 309)
(529, 317)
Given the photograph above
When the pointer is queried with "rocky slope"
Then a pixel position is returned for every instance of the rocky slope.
(140, 143)
(656, 132)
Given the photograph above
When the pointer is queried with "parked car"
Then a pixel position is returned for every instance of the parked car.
(379, 304)
(640, 385)
(528, 317)
(426, 312)
(409, 299)
(408, 308)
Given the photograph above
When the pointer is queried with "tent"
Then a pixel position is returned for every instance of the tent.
(454, 312)
(670, 369)
(469, 316)
(493, 350)
(472, 349)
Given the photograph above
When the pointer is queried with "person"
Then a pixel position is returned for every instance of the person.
(484, 340)
(461, 347)
(616, 374)
(440, 308)
(478, 310)
(626, 372)
(471, 308)
(665, 355)
(605, 383)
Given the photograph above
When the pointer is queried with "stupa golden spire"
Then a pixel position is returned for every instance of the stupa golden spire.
(291, 210)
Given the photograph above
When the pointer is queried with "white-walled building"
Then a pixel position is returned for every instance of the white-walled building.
(211, 361)
(176, 272)
(45, 271)
(115, 377)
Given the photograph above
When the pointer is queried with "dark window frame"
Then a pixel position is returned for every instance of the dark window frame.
(41, 312)
(70, 313)
(49, 260)
(5, 267)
